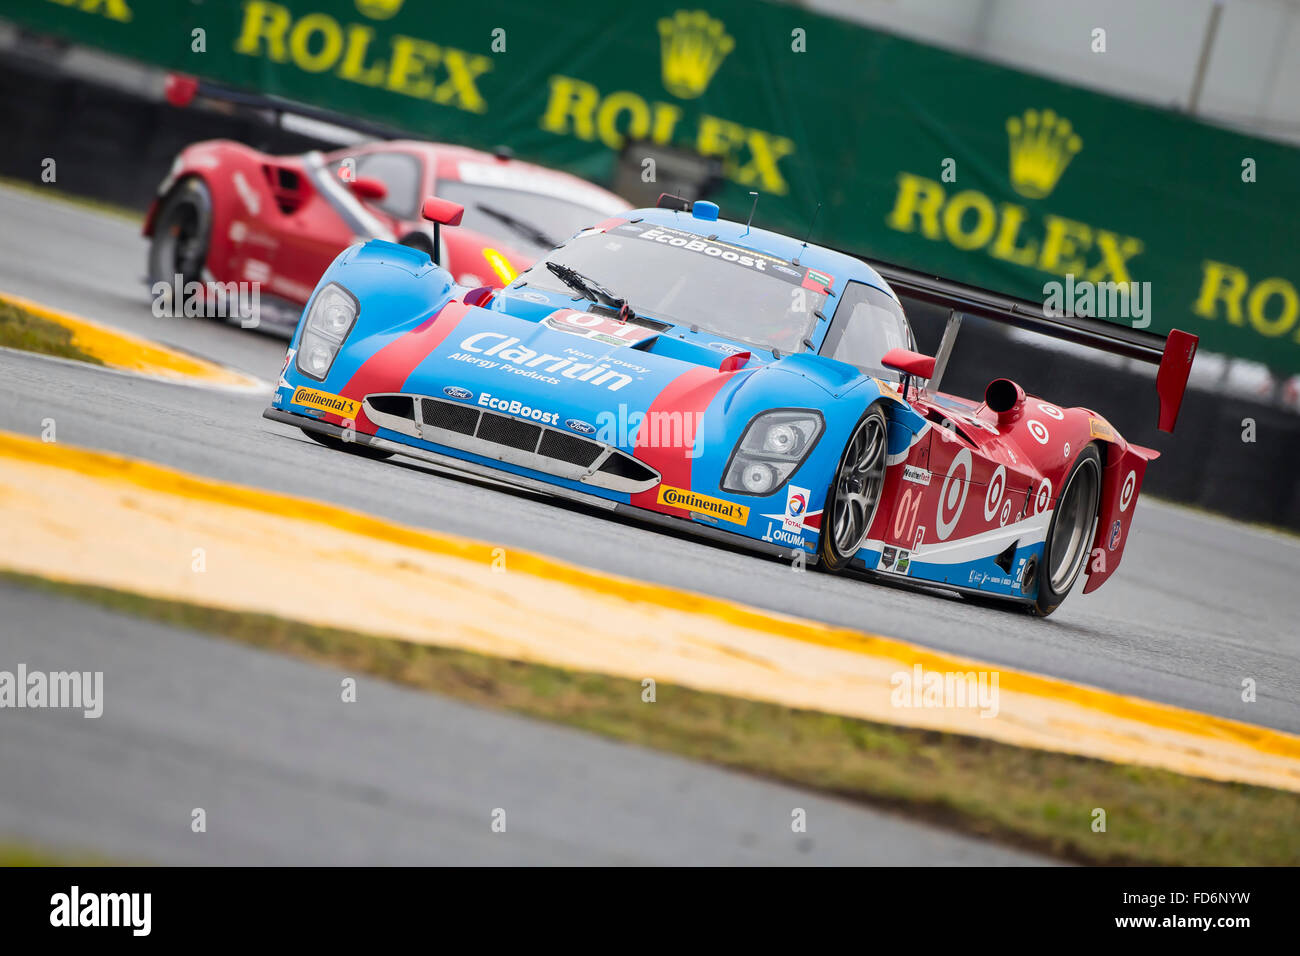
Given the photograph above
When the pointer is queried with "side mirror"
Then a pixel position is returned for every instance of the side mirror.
(364, 187)
(909, 363)
(442, 211)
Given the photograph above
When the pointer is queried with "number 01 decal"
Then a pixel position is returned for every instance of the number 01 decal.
(909, 506)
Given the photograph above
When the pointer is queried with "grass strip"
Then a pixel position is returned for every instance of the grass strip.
(20, 329)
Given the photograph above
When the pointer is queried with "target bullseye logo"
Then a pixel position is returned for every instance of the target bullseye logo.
(1044, 496)
(1126, 492)
(993, 498)
(1038, 430)
(1051, 411)
(1006, 513)
(952, 496)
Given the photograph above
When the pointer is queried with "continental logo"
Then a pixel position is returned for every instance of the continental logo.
(690, 501)
(692, 47)
(1042, 145)
(1100, 429)
(311, 398)
(318, 43)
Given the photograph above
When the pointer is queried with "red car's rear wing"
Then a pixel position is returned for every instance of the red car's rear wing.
(1172, 353)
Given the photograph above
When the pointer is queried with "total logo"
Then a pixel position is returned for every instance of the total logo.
(796, 508)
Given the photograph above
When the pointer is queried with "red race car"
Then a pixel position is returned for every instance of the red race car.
(228, 213)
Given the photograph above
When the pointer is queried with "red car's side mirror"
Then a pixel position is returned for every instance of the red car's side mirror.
(909, 363)
(364, 187)
(442, 211)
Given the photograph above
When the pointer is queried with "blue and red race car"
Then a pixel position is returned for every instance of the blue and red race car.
(692, 371)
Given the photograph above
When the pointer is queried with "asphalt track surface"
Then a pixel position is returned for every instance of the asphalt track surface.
(1199, 605)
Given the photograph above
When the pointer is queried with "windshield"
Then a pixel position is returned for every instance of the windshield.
(682, 278)
(530, 222)
(867, 324)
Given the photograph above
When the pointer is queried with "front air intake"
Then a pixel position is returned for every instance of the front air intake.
(507, 438)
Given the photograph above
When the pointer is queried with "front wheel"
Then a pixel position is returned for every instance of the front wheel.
(855, 491)
(1069, 536)
(180, 234)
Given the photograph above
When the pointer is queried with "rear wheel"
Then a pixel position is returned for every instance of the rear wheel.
(855, 491)
(1070, 534)
(351, 447)
(181, 232)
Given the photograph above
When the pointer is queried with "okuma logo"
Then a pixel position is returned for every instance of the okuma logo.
(379, 9)
(692, 47)
(1041, 146)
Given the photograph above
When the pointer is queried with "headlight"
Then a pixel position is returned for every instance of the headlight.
(333, 313)
(773, 446)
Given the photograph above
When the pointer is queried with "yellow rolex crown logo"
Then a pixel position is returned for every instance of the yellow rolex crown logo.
(379, 9)
(1042, 145)
(693, 46)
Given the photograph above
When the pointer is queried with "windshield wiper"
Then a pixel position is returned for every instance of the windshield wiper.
(521, 226)
(589, 288)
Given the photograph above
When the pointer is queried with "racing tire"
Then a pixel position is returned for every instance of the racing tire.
(1070, 534)
(854, 495)
(181, 232)
(351, 447)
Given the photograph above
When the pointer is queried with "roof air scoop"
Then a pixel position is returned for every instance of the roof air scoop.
(1006, 399)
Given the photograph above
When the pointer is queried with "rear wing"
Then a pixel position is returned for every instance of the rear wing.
(181, 90)
(1172, 353)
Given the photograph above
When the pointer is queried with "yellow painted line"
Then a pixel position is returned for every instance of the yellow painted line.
(97, 518)
(131, 353)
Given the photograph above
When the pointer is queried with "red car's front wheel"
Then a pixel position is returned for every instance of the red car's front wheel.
(181, 233)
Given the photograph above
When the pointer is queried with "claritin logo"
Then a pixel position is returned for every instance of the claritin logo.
(692, 46)
(496, 350)
(1042, 145)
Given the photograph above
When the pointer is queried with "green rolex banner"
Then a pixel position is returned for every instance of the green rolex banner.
(919, 156)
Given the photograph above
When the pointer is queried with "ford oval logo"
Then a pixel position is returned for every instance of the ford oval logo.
(455, 391)
(580, 426)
